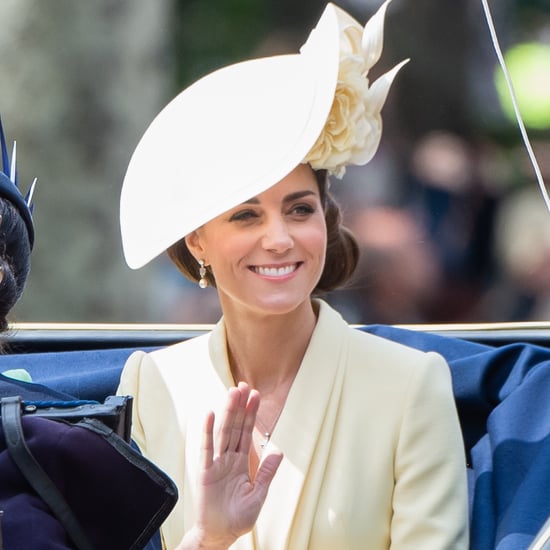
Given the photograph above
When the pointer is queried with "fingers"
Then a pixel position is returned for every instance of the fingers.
(231, 421)
(249, 421)
(207, 451)
(239, 417)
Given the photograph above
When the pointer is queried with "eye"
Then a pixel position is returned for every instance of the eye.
(302, 209)
(243, 216)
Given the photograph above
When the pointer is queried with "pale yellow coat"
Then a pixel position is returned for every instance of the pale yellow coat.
(373, 455)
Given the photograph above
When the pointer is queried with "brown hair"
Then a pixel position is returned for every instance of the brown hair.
(15, 251)
(342, 248)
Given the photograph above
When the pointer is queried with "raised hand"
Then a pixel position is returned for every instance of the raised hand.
(230, 499)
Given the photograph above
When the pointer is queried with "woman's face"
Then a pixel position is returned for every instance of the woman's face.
(268, 253)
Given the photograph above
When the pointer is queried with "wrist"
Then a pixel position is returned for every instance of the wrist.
(197, 539)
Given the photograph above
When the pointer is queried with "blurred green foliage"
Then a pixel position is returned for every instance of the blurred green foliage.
(207, 35)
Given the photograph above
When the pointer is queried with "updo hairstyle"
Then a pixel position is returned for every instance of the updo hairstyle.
(15, 252)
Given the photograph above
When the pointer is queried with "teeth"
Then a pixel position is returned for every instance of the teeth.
(275, 271)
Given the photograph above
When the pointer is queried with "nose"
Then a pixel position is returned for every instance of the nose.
(277, 237)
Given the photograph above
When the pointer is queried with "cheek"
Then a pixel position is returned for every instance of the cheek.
(226, 250)
(316, 240)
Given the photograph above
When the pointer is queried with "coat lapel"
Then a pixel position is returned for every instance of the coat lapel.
(303, 434)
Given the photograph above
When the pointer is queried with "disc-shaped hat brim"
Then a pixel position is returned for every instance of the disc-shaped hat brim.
(226, 138)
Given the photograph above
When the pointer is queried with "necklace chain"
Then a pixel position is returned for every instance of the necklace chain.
(265, 432)
(262, 428)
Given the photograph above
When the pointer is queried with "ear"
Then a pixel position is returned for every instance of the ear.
(193, 242)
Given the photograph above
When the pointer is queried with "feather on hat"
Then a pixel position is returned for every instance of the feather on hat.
(9, 188)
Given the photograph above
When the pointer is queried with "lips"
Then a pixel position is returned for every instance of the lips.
(275, 271)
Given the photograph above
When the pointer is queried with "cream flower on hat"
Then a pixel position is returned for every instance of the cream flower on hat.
(354, 126)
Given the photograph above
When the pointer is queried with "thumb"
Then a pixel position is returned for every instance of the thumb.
(267, 470)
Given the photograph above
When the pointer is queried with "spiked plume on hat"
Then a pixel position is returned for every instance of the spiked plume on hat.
(9, 188)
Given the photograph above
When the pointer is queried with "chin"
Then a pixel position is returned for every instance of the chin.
(282, 305)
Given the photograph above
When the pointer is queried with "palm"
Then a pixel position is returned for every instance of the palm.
(228, 483)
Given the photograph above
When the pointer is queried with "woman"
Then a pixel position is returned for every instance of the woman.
(355, 441)
(16, 235)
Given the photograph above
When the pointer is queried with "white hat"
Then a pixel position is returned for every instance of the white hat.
(239, 130)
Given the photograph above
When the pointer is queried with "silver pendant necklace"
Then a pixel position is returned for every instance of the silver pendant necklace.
(265, 441)
(267, 433)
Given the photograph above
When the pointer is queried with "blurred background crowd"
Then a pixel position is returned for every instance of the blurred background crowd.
(450, 220)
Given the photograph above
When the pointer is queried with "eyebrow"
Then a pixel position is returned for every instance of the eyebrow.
(289, 198)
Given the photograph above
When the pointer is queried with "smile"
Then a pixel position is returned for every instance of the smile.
(275, 271)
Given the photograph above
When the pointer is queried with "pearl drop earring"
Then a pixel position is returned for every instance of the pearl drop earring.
(203, 282)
